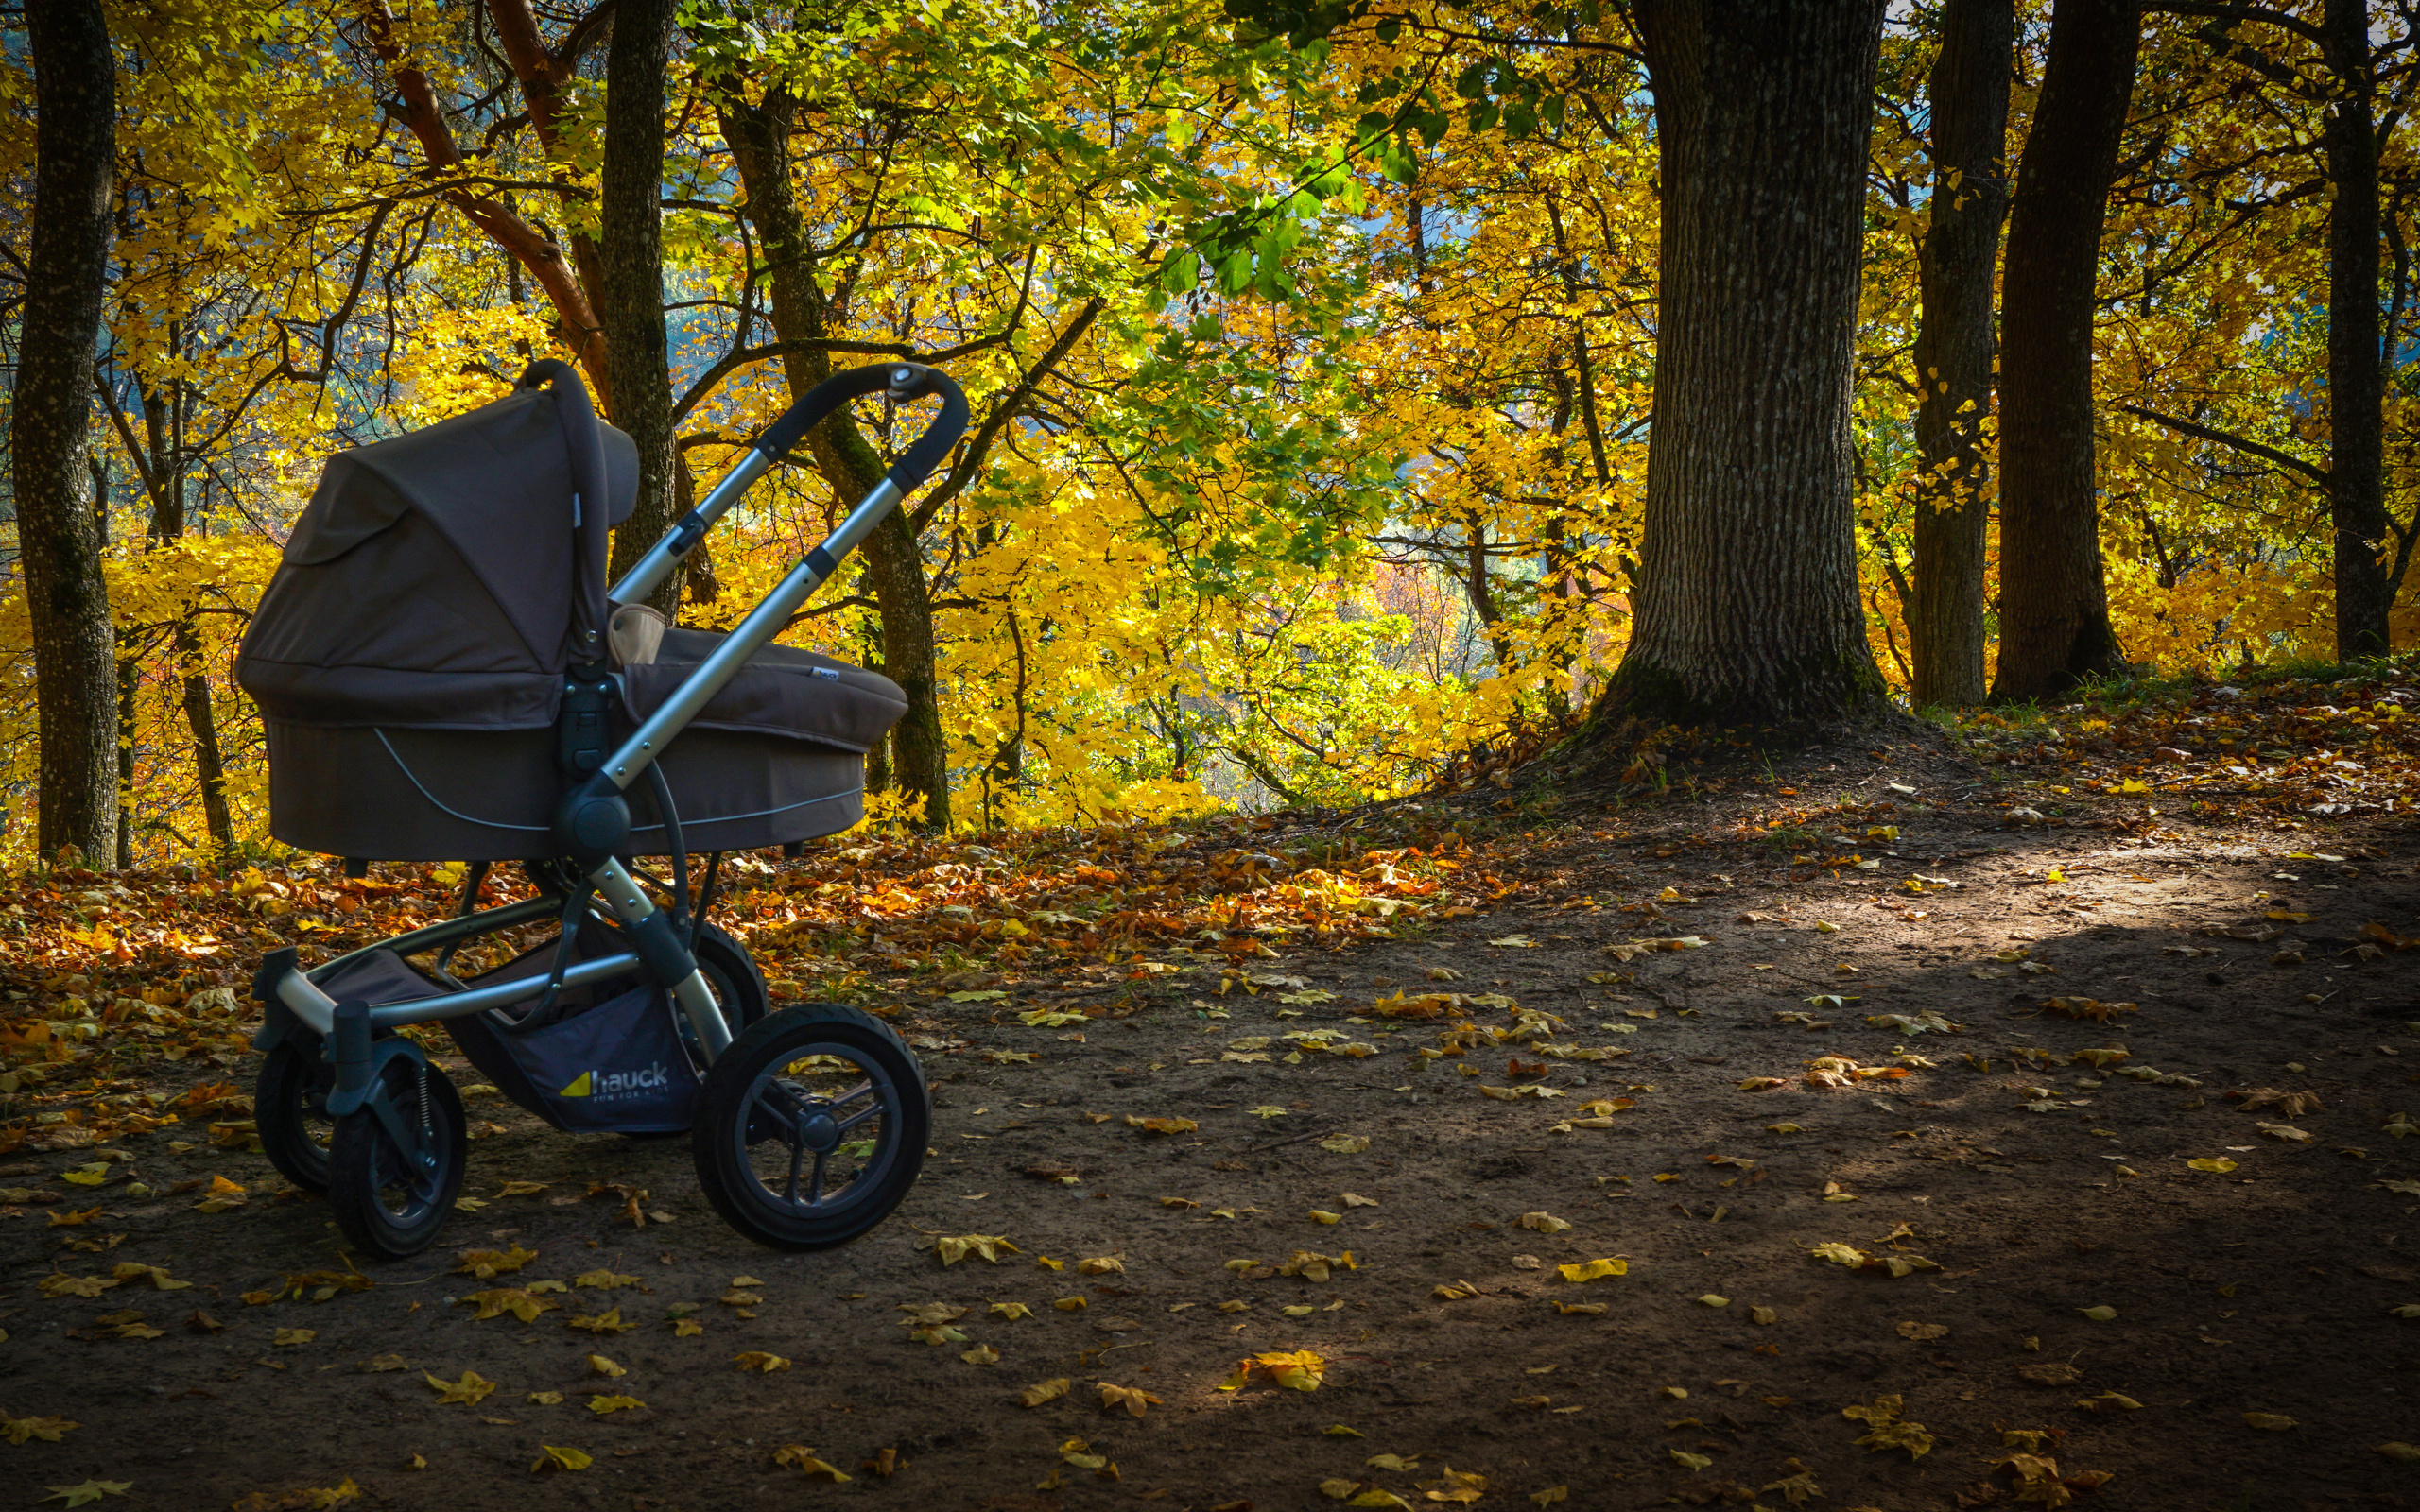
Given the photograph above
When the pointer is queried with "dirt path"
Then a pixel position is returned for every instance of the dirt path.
(2021, 1182)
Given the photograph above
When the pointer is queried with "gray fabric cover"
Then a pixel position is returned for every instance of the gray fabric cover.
(409, 659)
(428, 583)
(783, 691)
(458, 795)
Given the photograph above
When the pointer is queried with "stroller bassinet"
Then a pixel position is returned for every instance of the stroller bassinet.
(411, 657)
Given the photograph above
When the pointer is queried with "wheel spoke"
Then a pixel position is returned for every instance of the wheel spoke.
(789, 1195)
(857, 1118)
(815, 1194)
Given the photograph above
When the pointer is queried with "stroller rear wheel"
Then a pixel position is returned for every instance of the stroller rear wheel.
(811, 1126)
(388, 1201)
(739, 987)
(290, 1111)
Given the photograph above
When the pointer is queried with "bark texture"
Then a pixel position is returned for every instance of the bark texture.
(2355, 372)
(631, 221)
(894, 562)
(2054, 608)
(58, 537)
(1968, 95)
(1747, 607)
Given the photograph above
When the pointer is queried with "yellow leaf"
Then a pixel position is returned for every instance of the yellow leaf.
(2098, 1314)
(1552, 1495)
(2269, 1421)
(1695, 1462)
(601, 1405)
(18, 1429)
(1712, 1300)
(2219, 1163)
(1594, 1269)
(1035, 1396)
(758, 1360)
(2408, 1453)
(554, 1459)
(1162, 1125)
(1545, 1223)
(89, 1491)
(800, 1457)
(472, 1389)
(1011, 1310)
(1133, 1399)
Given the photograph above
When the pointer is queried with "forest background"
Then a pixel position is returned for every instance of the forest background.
(1313, 374)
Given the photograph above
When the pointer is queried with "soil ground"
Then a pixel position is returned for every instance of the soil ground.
(2037, 1185)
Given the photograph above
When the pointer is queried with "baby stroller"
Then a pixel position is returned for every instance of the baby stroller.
(443, 674)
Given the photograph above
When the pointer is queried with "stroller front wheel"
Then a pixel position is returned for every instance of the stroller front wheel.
(811, 1126)
(388, 1201)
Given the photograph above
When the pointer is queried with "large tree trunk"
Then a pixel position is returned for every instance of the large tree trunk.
(894, 562)
(1747, 607)
(1968, 95)
(2055, 609)
(59, 539)
(631, 221)
(2356, 374)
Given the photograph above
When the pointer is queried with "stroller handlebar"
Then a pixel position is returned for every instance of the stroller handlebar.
(899, 380)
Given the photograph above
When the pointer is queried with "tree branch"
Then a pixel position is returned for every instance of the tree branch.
(2318, 476)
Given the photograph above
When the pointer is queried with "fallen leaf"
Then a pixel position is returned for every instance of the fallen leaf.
(1035, 1396)
(89, 1491)
(758, 1360)
(469, 1391)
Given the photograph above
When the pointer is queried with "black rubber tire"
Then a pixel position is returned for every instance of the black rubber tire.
(730, 1122)
(290, 1111)
(363, 1162)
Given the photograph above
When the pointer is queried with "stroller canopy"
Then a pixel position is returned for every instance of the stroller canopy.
(445, 578)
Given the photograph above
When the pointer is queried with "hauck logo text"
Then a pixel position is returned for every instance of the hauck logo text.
(608, 1085)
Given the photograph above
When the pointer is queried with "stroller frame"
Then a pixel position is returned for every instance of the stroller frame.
(591, 829)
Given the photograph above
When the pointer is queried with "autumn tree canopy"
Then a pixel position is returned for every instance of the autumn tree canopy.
(1365, 394)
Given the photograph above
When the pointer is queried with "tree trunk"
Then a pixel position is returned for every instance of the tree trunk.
(2055, 609)
(1968, 95)
(630, 228)
(207, 763)
(1747, 607)
(59, 539)
(894, 562)
(130, 685)
(2355, 376)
